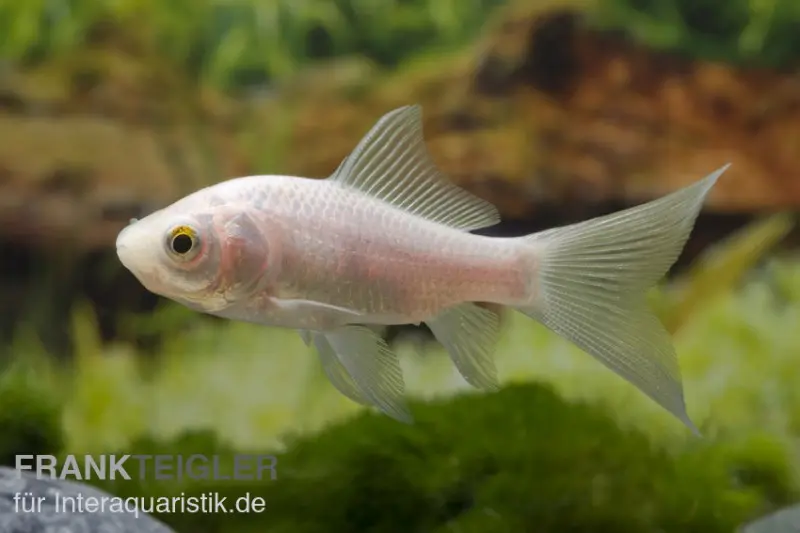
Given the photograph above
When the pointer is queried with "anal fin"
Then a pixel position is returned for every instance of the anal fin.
(469, 333)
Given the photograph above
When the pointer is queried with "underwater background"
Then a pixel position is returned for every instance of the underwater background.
(554, 110)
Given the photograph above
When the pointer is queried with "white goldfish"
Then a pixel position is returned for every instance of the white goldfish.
(386, 240)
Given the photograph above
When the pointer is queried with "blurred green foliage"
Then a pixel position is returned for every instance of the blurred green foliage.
(30, 414)
(519, 460)
(235, 43)
(239, 42)
(741, 32)
(721, 268)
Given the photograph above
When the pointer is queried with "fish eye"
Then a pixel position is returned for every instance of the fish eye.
(183, 242)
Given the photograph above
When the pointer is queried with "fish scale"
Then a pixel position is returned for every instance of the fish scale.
(456, 266)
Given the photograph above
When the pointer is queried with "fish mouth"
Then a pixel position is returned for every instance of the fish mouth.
(131, 258)
(148, 278)
(124, 252)
(138, 257)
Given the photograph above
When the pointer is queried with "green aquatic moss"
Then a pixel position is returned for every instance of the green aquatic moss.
(30, 415)
(522, 459)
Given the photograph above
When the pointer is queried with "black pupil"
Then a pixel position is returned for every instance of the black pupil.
(181, 244)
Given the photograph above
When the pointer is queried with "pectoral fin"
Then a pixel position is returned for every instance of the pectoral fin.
(311, 307)
(316, 315)
(373, 367)
(469, 333)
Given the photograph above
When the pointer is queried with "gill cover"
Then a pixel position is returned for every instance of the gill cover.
(249, 258)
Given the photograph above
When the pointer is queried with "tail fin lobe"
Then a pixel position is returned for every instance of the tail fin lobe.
(590, 285)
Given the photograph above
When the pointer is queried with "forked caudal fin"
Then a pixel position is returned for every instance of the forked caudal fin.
(590, 281)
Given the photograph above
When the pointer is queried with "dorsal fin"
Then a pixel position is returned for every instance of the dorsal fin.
(392, 163)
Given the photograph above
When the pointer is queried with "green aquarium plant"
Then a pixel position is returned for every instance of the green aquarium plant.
(759, 33)
(522, 459)
(722, 268)
(233, 43)
(30, 412)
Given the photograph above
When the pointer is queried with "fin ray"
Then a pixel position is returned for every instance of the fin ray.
(335, 371)
(590, 283)
(469, 333)
(374, 368)
(392, 163)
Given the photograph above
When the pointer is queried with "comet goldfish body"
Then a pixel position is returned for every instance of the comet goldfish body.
(386, 240)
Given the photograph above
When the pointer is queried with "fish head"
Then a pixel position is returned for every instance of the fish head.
(208, 259)
(172, 255)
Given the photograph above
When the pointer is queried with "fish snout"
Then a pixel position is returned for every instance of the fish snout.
(134, 253)
(122, 245)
